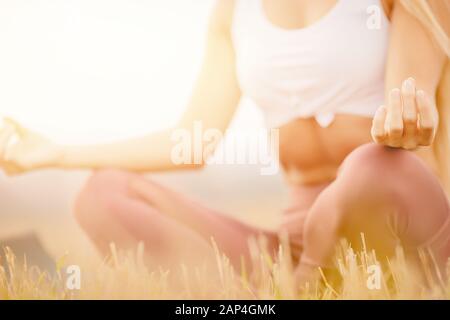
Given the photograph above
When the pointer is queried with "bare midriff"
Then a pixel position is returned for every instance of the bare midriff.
(312, 155)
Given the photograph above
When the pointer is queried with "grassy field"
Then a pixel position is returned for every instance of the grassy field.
(128, 275)
(125, 275)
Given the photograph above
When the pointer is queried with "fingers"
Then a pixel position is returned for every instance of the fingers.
(394, 119)
(10, 129)
(5, 137)
(19, 129)
(409, 113)
(378, 132)
(426, 119)
(408, 121)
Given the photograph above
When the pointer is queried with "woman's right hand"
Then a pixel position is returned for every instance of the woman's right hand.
(23, 150)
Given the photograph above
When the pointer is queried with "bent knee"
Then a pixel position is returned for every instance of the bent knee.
(381, 162)
(374, 155)
(99, 194)
(374, 175)
(374, 178)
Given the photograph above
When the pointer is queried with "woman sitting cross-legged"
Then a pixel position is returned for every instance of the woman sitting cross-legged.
(362, 124)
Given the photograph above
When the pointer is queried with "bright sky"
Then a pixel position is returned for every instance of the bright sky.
(87, 71)
(97, 70)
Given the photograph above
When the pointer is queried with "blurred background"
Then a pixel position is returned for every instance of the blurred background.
(90, 71)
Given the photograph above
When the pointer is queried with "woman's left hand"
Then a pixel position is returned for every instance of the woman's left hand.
(409, 120)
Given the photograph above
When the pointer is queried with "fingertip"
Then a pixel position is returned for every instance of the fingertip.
(422, 100)
(378, 136)
(382, 110)
(394, 95)
(380, 115)
(409, 87)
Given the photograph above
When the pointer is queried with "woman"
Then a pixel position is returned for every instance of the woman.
(320, 70)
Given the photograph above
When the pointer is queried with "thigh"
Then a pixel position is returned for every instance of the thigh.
(229, 233)
(151, 211)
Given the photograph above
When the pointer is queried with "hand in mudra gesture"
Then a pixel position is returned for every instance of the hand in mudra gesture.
(409, 120)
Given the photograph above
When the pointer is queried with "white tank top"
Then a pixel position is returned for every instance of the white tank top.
(336, 65)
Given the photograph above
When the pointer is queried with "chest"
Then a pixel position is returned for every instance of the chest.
(344, 42)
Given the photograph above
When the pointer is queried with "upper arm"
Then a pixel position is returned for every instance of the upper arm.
(412, 53)
(216, 93)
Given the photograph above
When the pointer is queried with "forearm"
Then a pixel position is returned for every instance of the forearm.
(148, 153)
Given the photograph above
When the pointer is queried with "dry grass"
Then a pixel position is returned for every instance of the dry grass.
(127, 276)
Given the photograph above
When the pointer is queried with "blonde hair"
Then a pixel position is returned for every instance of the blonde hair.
(435, 16)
